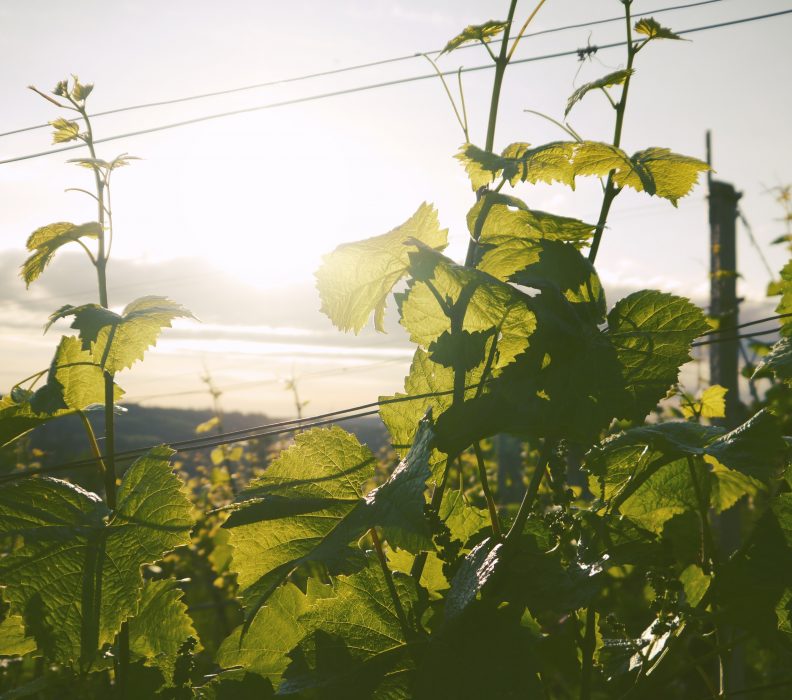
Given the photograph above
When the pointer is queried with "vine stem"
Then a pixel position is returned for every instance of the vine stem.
(587, 648)
(530, 494)
(102, 255)
(611, 190)
(389, 581)
(97, 453)
(712, 562)
(493, 510)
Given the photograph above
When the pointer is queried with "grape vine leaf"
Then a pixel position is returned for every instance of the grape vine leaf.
(116, 341)
(434, 384)
(651, 28)
(45, 241)
(777, 362)
(161, 626)
(475, 32)
(356, 278)
(656, 171)
(357, 643)
(711, 404)
(482, 302)
(652, 332)
(236, 684)
(13, 640)
(77, 577)
(616, 78)
(785, 304)
(74, 383)
(64, 130)
(550, 390)
(544, 264)
(496, 219)
(647, 473)
(660, 172)
(309, 506)
(274, 631)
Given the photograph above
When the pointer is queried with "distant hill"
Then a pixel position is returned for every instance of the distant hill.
(142, 426)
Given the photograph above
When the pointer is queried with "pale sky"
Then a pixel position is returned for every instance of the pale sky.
(231, 217)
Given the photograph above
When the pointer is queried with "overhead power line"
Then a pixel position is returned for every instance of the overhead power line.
(348, 69)
(365, 88)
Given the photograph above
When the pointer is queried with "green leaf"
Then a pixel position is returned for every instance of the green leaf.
(117, 342)
(712, 404)
(64, 130)
(498, 219)
(660, 172)
(308, 507)
(45, 241)
(356, 278)
(623, 462)
(652, 333)
(72, 385)
(657, 171)
(356, 645)
(785, 305)
(492, 306)
(236, 684)
(77, 576)
(651, 28)
(80, 92)
(464, 350)
(103, 166)
(547, 264)
(13, 640)
(74, 381)
(402, 418)
(477, 568)
(475, 32)
(275, 630)
(756, 448)
(645, 474)
(616, 78)
(397, 506)
(160, 627)
(695, 583)
(777, 362)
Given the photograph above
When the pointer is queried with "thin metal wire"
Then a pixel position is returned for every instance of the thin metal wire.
(363, 88)
(347, 69)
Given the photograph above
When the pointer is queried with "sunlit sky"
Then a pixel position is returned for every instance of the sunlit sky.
(231, 217)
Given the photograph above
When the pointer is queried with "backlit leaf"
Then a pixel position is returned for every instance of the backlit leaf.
(13, 640)
(356, 645)
(309, 507)
(77, 576)
(116, 341)
(777, 362)
(64, 130)
(475, 32)
(160, 627)
(498, 219)
(356, 278)
(657, 171)
(275, 631)
(652, 333)
(711, 404)
(616, 78)
(650, 27)
(492, 305)
(45, 241)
